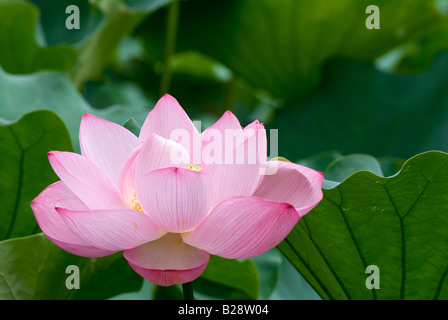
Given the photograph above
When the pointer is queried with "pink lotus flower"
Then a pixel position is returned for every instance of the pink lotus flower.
(169, 204)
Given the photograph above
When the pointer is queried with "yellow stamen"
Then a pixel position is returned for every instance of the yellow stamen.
(135, 204)
(194, 167)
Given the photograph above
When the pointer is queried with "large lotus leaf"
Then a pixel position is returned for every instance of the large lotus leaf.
(399, 224)
(25, 170)
(34, 268)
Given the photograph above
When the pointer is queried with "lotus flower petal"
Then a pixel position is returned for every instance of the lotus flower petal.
(172, 196)
(106, 144)
(291, 183)
(168, 260)
(243, 227)
(52, 224)
(170, 121)
(86, 180)
(158, 153)
(126, 181)
(242, 167)
(111, 229)
(176, 199)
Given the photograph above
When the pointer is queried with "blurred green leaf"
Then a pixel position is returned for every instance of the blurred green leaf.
(229, 279)
(321, 160)
(390, 165)
(53, 91)
(25, 168)
(120, 20)
(399, 224)
(337, 167)
(343, 167)
(291, 285)
(280, 46)
(194, 64)
(268, 265)
(133, 126)
(49, 90)
(359, 109)
(145, 293)
(83, 53)
(418, 56)
(173, 292)
(34, 268)
(145, 5)
(53, 17)
(19, 51)
(103, 94)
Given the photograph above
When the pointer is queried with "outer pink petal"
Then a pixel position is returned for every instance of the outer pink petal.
(114, 230)
(86, 180)
(54, 226)
(106, 143)
(176, 199)
(170, 121)
(167, 260)
(291, 183)
(243, 227)
(242, 167)
(82, 250)
(158, 153)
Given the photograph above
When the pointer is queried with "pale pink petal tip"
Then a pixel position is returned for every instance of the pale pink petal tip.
(170, 121)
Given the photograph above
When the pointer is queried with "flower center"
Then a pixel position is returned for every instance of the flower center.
(135, 204)
(194, 167)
